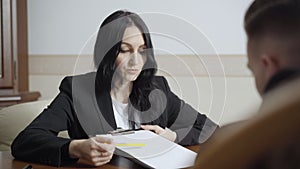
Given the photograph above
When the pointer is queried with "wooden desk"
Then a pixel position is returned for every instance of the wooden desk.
(8, 162)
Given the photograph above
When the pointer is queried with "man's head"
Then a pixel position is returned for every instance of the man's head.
(273, 30)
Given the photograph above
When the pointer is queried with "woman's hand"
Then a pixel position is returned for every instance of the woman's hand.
(96, 151)
(166, 133)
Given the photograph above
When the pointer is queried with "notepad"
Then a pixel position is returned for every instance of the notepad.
(153, 150)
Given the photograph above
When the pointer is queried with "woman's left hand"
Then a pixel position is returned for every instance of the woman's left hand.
(166, 133)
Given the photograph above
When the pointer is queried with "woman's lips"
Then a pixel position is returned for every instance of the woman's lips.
(132, 71)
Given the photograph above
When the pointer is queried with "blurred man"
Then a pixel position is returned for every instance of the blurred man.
(273, 48)
(273, 30)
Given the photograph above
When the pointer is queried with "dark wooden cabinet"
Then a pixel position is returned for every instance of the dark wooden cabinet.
(14, 77)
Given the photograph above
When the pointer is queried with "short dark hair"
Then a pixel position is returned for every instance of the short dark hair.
(276, 17)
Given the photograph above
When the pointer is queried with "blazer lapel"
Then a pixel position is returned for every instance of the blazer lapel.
(93, 109)
(105, 105)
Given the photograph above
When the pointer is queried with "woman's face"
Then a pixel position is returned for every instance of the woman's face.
(131, 58)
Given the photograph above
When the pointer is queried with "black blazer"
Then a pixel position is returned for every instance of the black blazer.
(83, 112)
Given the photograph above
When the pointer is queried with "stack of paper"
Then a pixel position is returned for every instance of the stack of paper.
(153, 150)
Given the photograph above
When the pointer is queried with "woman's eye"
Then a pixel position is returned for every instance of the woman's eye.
(124, 50)
(142, 51)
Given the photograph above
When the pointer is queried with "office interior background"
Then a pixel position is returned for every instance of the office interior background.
(221, 86)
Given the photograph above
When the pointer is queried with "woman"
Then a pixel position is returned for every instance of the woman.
(123, 93)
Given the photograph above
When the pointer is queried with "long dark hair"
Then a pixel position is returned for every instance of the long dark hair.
(107, 48)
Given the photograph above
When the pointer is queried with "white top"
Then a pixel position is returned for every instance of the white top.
(121, 114)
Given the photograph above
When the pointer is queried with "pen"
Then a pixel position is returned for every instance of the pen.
(123, 131)
(28, 166)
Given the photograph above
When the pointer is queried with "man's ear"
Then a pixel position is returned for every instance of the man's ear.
(271, 64)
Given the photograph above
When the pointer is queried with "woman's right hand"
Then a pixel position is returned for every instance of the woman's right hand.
(96, 151)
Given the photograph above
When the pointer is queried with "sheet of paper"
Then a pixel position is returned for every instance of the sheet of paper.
(154, 150)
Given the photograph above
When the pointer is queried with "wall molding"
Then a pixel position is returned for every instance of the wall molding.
(169, 65)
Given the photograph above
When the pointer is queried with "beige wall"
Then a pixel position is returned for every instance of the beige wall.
(231, 91)
(56, 36)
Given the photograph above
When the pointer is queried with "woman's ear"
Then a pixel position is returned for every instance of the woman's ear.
(271, 64)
